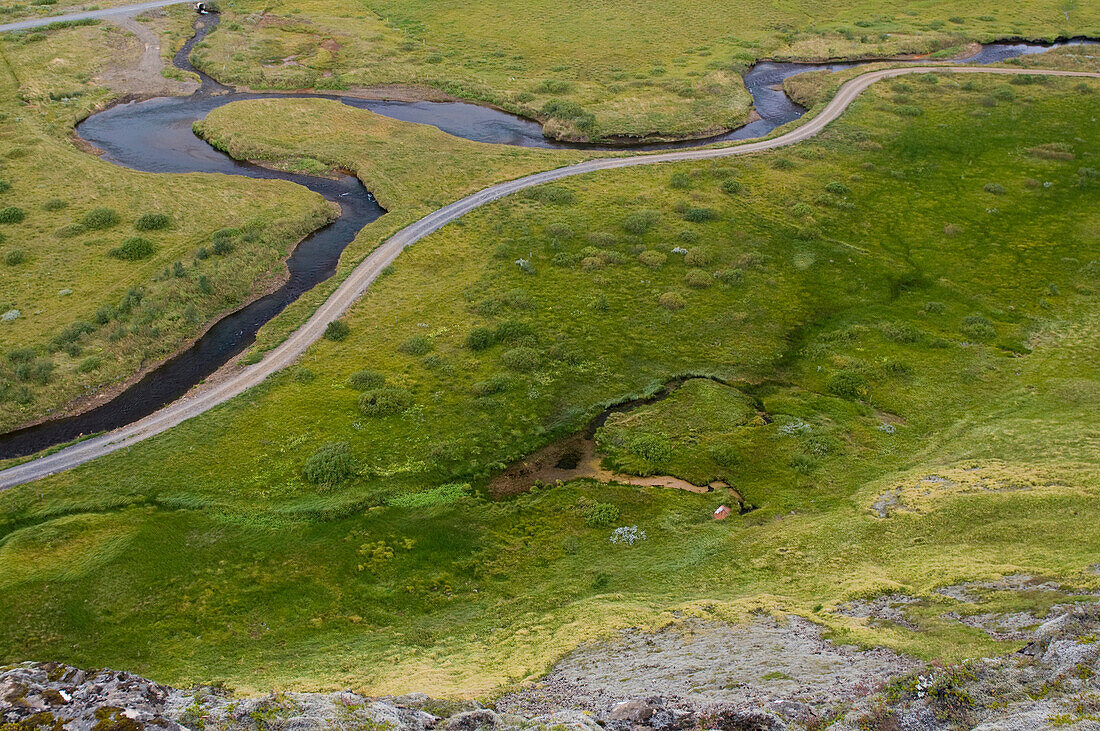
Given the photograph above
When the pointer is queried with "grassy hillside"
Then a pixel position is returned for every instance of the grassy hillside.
(601, 70)
(907, 303)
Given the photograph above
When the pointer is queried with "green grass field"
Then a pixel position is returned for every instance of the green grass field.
(597, 71)
(911, 295)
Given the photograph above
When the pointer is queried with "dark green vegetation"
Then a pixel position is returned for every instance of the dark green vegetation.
(877, 322)
(106, 271)
(601, 70)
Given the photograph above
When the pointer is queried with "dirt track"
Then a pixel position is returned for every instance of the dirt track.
(205, 398)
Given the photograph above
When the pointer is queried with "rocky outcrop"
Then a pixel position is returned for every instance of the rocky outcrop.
(1052, 682)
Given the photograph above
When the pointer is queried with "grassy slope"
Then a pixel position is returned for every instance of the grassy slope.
(845, 316)
(12, 12)
(55, 273)
(627, 64)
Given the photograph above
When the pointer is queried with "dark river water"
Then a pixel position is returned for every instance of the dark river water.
(156, 136)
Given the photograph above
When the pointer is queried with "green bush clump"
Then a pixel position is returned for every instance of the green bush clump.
(730, 276)
(5, 186)
(21, 355)
(520, 359)
(994, 188)
(337, 330)
(416, 345)
(555, 194)
(731, 186)
(652, 259)
(384, 401)
(99, 218)
(222, 246)
(680, 181)
(700, 215)
(570, 112)
(849, 385)
(11, 214)
(698, 279)
(481, 338)
(55, 204)
(14, 257)
(88, 365)
(330, 465)
(38, 370)
(553, 86)
(934, 308)
(978, 327)
(514, 331)
(498, 383)
(900, 332)
(698, 258)
(909, 110)
(601, 515)
(153, 222)
(671, 301)
(640, 222)
(837, 188)
(366, 379)
(70, 230)
(134, 248)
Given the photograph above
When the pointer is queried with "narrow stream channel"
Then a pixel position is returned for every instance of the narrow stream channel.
(156, 136)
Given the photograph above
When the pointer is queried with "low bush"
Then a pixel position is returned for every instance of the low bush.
(837, 188)
(731, 186)
(70, 230)
(601, 515)
(416, 345)
(498, 383)
(21, 355)
(555, 194)
(55, 204)
(730, 276)
(698, 258)
(698, 279)
(134, 248)
(330, 465)
(514, 331)
(680, 181)
(11, 214)
(994, 188)
(337, 330)
(5, 186)
(977, 327)
(14, 257)
(671, 301)
(384, 401)
(700, 215)
(366, 379)
(652, 259)
(99, 218)
(848, 384)
(640, 222)
(153, 222)
(654, 448)
(520, 359)
(481, 338)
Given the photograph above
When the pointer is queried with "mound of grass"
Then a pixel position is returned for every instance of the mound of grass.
(134, 248)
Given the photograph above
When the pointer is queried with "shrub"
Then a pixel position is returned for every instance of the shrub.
(848, 384)
(731, 186)
(38, 370)
(698, 258)
(994, 188)
(700, 215)
(601, 515)
(652, 259)
(384, 401)
(498, 383)
(55, 204)
(934, 308)
(1004, 94)
(671, 301)
(330, 465)
(900, 332)
(553, 86)
(21, 355)
(337, 330)
(11, 214)
(153, 222)
(5, 186)
(977, 327)
(133, 249)
(99, 218)
(520, 359)
(555, 194)
(838, 188)
(70, 230)
(481, 338)
(366, 379)
(730, 276)
(14, 257)
(559, 231)
(698, 279)
(513, 331)
(680, 181)
(640, 222)
(416, 345)
(222, 246)
(88, 365)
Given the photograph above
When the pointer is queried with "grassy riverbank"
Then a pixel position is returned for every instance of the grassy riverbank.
(908, 301)
(601, 71)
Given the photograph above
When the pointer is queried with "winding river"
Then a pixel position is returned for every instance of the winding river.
(156, 136)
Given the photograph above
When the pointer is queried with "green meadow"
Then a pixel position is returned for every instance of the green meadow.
(894, 332)
(598, 71)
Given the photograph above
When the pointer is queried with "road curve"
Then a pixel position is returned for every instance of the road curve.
(205, 398)
(89, 15)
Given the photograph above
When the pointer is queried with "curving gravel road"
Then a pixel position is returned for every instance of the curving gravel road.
(205, 398)
(89, 14)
